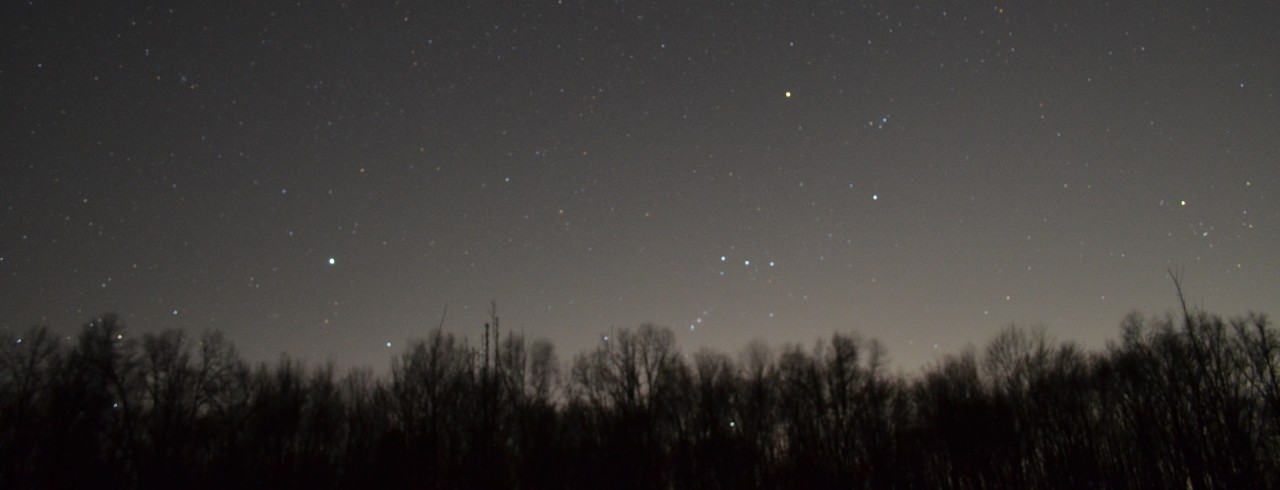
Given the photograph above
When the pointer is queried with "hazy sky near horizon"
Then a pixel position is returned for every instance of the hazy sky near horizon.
(324, 178)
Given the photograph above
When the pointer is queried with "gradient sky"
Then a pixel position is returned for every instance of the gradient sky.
(322, 178)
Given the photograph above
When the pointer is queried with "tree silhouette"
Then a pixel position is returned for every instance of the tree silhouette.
(1192, 400)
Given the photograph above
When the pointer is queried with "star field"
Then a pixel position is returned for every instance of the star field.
(326, 179)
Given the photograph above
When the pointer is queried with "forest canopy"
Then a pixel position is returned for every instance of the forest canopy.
(1189, 401)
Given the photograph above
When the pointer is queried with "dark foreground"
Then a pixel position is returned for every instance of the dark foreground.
(1174, 403)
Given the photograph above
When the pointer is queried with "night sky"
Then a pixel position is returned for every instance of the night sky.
(322, 178)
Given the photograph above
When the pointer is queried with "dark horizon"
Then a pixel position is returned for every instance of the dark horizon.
(1174, 401)
(474, 336)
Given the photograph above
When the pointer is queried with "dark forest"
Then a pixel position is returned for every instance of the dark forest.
(1187, 401)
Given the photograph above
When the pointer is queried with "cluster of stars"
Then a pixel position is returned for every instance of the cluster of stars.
(659, 154)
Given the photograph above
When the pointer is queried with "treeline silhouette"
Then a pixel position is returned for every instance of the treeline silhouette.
(1175, 402)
